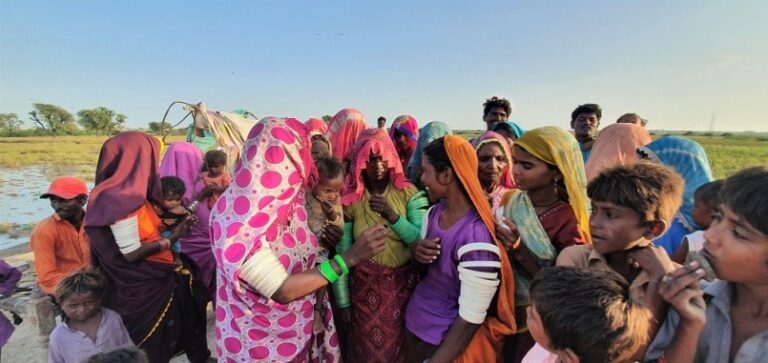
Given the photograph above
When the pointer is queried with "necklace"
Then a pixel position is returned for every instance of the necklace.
(546, 205)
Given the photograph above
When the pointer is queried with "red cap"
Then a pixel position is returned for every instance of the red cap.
(66, 187)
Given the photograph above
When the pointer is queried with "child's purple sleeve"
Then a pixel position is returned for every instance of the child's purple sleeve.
(9, 277)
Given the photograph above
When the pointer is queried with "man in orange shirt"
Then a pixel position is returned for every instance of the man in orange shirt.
(59, 241)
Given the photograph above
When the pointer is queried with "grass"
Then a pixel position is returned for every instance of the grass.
(75, 155)
(78, 155)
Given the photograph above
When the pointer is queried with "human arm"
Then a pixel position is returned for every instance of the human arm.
(44, 248)
(680, 289)
(127, 238)
(509, 236)
(408, 227)
(456, 340)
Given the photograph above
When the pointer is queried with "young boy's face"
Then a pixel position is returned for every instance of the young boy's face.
(536, 327)
(215, 169)
(615, 228)
(737, 250)
(80, 306)
(702, 213)
(171, 200)
(329, 189)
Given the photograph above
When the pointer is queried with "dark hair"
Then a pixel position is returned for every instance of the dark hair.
(381, 118)
(495, 102)
(709, 193)
(438, 157)
(652, 190)
(745, 193)
(643, 121)
(120, 355)
(215, 157)
(587, 108)
(81, 282)
(590, 312)
(172, 185)
(329, 168)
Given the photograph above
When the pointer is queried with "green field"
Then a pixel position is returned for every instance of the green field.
(78, 154)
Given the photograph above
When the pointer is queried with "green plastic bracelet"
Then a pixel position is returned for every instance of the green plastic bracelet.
(327, 271)
(342, 264)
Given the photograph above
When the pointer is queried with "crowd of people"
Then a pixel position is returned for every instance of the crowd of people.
(334, 242)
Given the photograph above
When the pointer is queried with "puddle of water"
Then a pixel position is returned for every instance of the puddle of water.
(20, 190)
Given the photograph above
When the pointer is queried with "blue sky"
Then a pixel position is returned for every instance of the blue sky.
(675, 63)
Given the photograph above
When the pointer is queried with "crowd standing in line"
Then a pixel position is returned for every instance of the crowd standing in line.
(338, 242)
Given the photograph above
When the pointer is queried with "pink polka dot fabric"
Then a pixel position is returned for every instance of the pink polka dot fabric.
(264, 207)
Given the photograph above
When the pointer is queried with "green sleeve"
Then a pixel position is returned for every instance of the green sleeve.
(341, 287)
(409, 228)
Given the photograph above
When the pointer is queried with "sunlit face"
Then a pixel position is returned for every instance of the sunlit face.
(320, 149)
(530, 172)
(737, 250)
(329, 189)
(492, 163)
(533, 320)
(171, 200)
(215, 169)
(615, 228)
(376, 169)
(80, 306)
(494, 116)
(585, 126)
(435, 190)
(67, 208)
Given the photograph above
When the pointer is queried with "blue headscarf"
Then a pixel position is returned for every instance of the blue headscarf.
(689, 160)
(430, 132)
(509, 126)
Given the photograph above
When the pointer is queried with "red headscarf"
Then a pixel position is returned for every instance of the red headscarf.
(344, 130)
(316, 125)
(372, 142)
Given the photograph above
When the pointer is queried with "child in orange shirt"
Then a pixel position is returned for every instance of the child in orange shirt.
(216, 178)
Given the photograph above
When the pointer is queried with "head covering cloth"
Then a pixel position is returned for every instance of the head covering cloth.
(510, 126)
(616, 145)
(316, 125)
(430, 132)
(184, 160)
(492, 137)
(406, 125)
(344, 130)
(558, 147)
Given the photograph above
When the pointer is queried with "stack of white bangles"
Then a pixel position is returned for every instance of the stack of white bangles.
(126, 232)
(477, 287)
(263, 272)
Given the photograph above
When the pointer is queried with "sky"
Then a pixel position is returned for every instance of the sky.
(679, 64)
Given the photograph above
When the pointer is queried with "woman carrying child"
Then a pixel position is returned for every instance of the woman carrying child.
(548, 212)
(267, 271)
(184, 160)
(162, 306)
(465, 265)
(689, 160)
(494, 165)
(377, 193)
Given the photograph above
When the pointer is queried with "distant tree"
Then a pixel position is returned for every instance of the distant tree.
(101, 120)
(327, 118)
(9, 122)
(52, 119)
(159, 128)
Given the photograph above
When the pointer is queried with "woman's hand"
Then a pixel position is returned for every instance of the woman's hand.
(370, 242)
(379, 205)
(426, 251)
(331, 236)
(507, 234)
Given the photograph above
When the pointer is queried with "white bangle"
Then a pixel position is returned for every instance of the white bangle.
(477, 287)
(126, 233)
(263, 272)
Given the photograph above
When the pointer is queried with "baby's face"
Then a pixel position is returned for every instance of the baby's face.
(171, 200)
(329, 190)
(215, 169)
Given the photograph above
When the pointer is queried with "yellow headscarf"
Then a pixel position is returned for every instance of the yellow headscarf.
(485, 346)
(557, 147)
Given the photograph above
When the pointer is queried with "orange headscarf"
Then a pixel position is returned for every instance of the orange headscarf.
(486, 345)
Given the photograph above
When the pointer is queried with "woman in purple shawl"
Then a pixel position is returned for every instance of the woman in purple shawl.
(184, 160)
(155, 300)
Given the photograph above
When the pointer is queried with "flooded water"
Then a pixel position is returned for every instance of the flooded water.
(20, 203)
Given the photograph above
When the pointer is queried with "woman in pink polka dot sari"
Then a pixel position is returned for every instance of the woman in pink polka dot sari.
(266, 255)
